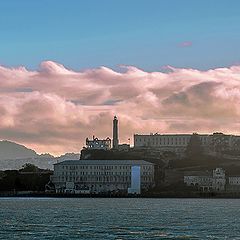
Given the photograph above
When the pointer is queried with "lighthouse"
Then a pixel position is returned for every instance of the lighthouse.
(115, 132)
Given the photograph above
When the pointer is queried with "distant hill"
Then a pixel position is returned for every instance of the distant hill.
(68, 156)
(14, 156)
(12, 150)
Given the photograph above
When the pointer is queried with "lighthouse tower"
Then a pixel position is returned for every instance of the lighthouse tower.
(115, 132)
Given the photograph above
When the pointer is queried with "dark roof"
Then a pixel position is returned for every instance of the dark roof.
(171, 135)
(104, 162)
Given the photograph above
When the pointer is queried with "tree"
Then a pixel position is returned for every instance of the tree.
(28, 167)
(194, 148)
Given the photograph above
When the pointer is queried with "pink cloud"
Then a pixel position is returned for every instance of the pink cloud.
(185, 44)
(53, 109)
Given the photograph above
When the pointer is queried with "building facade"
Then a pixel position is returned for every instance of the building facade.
(233, 184)
(206, 181)
(203, 180)
(219, 179)
(216, 142)
(167, 142)
(98, 176)
(96, 143)
(234, 180)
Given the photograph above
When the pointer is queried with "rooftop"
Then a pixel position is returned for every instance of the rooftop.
(170, 135)
(104, 162)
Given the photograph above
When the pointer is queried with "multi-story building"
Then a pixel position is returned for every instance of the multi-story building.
(206, 181)
(216, 142)
(95, 176)
(233, 184)
(220, 142)
(201, 179)
(166, 142)
(234, 180)
(96, 143)
(219, 179)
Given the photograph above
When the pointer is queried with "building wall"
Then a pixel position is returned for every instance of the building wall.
(234, 180)
(233, 184)
(96, 143)
(219, 179)
(167, 142)
(198, 180)
(178, 142)
(157, 140)
(101, 175)
(215, 181)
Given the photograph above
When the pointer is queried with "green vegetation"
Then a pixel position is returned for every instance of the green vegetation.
(29, 178)
(194, 148)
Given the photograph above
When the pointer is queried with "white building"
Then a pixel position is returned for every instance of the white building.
(219, 179)
(234, 180)
(206, 181)
(95, 176)
(200, 179)
(96, 143)
(233, 184)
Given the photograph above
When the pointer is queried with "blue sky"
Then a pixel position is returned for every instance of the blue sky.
(147, 34)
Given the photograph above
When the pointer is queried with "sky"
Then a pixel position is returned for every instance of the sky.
(67, 67)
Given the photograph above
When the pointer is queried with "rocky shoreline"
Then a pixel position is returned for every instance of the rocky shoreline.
(146, 195)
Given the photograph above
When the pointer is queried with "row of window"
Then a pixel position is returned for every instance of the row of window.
(102, 167)
(101, 179)
(101, 173)
(167, 141)
(162, 140)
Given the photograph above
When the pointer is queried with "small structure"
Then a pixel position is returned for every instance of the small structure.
(49, 187)
(96, 143)
(124, 147)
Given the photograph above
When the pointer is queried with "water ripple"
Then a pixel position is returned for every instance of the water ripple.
(119, 219)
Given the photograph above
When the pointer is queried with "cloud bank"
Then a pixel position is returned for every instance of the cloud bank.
(53, 109)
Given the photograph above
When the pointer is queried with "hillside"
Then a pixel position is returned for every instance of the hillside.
(14, 156)
(12, 150)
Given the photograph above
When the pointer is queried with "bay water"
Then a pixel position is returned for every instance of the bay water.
(119, 218)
